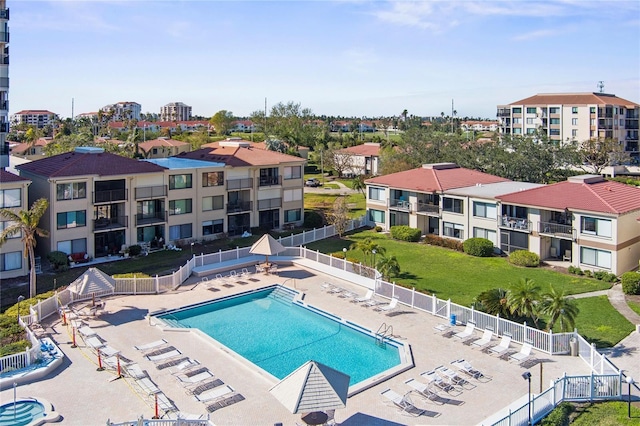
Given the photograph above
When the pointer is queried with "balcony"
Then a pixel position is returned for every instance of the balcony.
(149, 218)
(233, 184)
(270, 180)
(4, 127)
(4, 37)
(516, 223)
(107, 223)
(242, 206)
(398, 204)
(4, 13)
(4, 106)
(429, 209)
(503, 113)
(557, 230)
(110, 195)
(271, 203)
(151, 191)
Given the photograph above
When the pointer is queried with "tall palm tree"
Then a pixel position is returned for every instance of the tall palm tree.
(523, 299)
(388, 266)
(26, 222)
(367, 246)
(559, 308)
(494, 302)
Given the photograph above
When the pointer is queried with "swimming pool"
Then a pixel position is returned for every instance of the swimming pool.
(27, 412)
(277, 334)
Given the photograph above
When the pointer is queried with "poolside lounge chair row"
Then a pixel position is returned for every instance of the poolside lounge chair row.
(367, 300)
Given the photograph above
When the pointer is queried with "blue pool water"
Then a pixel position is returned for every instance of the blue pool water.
(279, 336)
(23, 413)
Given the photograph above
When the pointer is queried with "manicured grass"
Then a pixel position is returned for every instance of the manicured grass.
(601, 323)
(611, 413)
(455, 275)
(325, 202)
(332, 186)
(634, 306)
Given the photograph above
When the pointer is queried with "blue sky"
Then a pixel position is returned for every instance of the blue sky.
(351, 58)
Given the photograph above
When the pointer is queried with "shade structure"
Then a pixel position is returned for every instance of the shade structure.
(312, 387)
(91, 282)
(267, 245)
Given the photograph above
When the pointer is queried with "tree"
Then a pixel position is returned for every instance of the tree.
(339, 216)
(339, 160)
(367, 246)
(523, 298)
(388, 266)
(222, 121)
(494, 302)
(289, 122)
(357, 184)
(25, 222)
(559, 308)
(596, 154)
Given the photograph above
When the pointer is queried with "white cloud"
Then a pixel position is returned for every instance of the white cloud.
(537, 34)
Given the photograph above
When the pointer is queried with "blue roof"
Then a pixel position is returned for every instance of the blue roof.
(173, 163)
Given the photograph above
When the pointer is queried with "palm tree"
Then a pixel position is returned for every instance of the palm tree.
(357, 184)
(559, 308)
(25, 222)
(523, 299)
(388, 266)
(367, 246)
(494, 302)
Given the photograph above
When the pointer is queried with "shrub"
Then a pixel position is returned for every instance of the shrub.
(313, 219)
(575, 270)
(631, 282)
(588, 273)
(58, 260)
(405, 233)
(14, 348)
(480, 247)
(338, 254)
(453, 244)
(378, 228)
(135, 250)
(434, 240)
(559, 416)
(524, 258)
(605, 276)
(131, 275)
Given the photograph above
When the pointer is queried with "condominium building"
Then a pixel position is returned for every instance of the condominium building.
(162, 148)
(574, 117)
(585, 221)
(13, 195)
(122, 111)
(38, 118)
(100, 202)
(359, 160)
(4, 84)
(175, 111)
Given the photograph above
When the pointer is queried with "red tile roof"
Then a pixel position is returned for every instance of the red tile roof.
(601, 196)
(366, 150)
(435, 178)
(257, 145)
(148, 145)
(82, 164)
(22, 147)
(574, 99)
(241, 156)
(35, 112)
(10, 177)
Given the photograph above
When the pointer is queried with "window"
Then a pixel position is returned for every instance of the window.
(293, 172)
(292, 215)
(269, 177)
(73, 246)
(574, 133)
(592, 122)
(453, 230)
(211, 227)
(517, 120)
(453, 205)
(554, 121)
(292, 195)
(554, 110)
(574, 110)
(599, 258)
(574, 121)
(72, 219)
(487, 210)
(376, 193)
(213, 203)
(592, 110)
(71, 191)
(7, 223)
(376, 216)
(11, 261)
(179, 181)
(593, 226)
(517, 110)
(554, 132)
(213, 179)
(517, 131)
(10, 198)
(486, 233)
(530, 120)
(531, 110)
(531, 131)
(180, 206)
(177, 232)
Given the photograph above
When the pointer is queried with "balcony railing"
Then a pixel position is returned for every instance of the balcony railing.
(4, 106)
(270, 180)
(243, 206)
(4, 13)
(4, 81)
(4, 127)
(556, 230)
(105, 223)
(149, 218)
(233, 184)
(110, 195)
(4, 37)
(430, 209)
(271, 203)
(151, 191)
(398, 204)
(516, 223)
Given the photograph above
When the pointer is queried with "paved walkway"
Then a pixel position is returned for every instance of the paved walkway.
(320, 190)
(616, 297)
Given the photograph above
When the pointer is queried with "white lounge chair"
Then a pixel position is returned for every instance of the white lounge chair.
(485, 339)
(391, 306)
(364, 298)
(86, 331)
(422, 389)
(503, 346)
(135, 371)
(147, 386)
(108, 351)
(403, 402)
(467, 368)
(371, 302)
(184, 366)
(467, 332)
(165, 403)
(433, 378)
(163, 356)
(203, 375)
(94, 342)
(214, 393)
(152, 345)
(453, 377)
(523, 355)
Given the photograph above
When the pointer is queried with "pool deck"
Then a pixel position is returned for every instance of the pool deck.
(84, 396)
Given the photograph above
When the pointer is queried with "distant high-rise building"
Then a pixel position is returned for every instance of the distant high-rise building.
(574, 117)
(34, 117)
(175, 111)
(4, 84)
(122, 111)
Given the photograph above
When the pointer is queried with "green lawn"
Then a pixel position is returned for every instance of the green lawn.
(634, 306)
(325, 202)
(601, 323)
(613, 413)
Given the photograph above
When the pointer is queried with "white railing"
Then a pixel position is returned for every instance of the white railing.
(162, 422)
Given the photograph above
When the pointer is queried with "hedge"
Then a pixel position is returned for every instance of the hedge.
(631, 282)
(480, 247)
(450, 243)
(524, 258)
(405, 233)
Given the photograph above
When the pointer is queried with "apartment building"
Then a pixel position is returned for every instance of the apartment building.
(574, 117)
(14, 196)
(585, 221)
(122, 111)
(100, 202)
(163, 148)
(175, 111)
(360, 160)
(4, 84)
(38, 118)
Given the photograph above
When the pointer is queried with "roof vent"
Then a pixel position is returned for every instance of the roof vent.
(440, 166)
(88, 150)
(587, 179)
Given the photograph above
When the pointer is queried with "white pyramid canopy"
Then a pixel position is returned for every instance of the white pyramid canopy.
(312, 387)
(92, 281)
(267, 245)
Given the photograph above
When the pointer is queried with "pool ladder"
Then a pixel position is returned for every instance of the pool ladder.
(384, 332)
